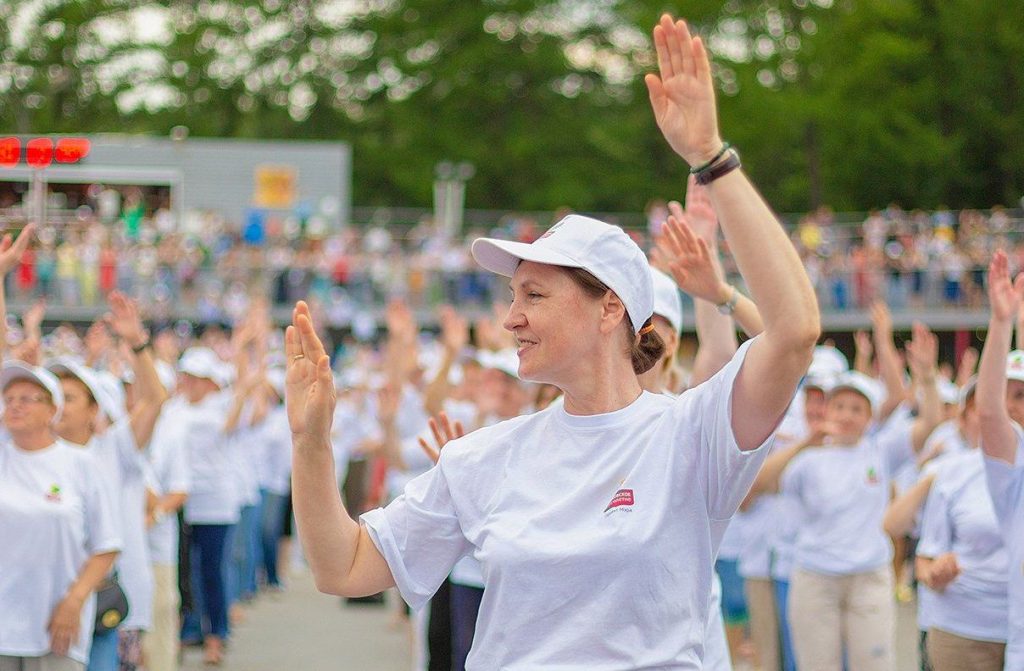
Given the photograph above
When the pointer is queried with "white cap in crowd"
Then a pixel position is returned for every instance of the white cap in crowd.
(667, 302)
(603, 250)
(862, 384)
(204, 362)
(827, 362)
(19, 370)
(109, 399)
(1015, 365)
(818, 382)
(505, 360)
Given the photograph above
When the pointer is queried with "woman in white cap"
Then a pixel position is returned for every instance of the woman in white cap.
(1001, 408)
(597, 520)
(59, 529)
(213, 503)
(95, 418)
(840, 594)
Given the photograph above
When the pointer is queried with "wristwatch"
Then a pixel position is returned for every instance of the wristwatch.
(729, 306)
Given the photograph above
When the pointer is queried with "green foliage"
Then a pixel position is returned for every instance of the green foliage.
(854, 103)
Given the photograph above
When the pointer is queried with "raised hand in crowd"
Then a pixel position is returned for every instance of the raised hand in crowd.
(686, 257)
(98, 343)
(863, 352)
(310, 396)
(967, 367)
(1006, 297)
(454, 338)
(922, 357)
(887, 357)
(444, 431)
(10, 254)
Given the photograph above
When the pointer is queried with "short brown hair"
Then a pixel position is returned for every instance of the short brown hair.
(643, 353)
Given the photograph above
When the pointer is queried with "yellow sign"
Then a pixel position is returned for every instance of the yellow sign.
(275, 186)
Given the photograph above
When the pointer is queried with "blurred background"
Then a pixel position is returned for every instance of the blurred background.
(346, 149)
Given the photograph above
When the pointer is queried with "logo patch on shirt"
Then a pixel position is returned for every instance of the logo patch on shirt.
(872, 476)
(622, 499)
(54, 494)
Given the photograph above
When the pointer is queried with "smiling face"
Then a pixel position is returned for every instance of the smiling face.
(556, 325)
(849, 412)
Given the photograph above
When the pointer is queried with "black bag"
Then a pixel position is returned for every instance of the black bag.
(111, 605)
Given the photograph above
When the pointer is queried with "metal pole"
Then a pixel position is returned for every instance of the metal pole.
(39, 196)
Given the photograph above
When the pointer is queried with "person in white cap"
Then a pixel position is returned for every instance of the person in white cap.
(840, 594)
(96, 419)
(59, 528)
(213, 502)
(1000, 395)
(615, 487)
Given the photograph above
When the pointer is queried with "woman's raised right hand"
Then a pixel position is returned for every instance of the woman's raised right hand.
(310, 395)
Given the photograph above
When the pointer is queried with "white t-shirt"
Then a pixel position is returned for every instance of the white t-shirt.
(124, 466)
(353, 424)
(596, 533)
(959, 518)
(214, 497)
(55, 513)
(276, 453)
(168, 460)
(1006, 487)
(245, 448)
(842, 493)
(716, 646)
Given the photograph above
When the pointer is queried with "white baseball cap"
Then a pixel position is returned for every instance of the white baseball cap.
(107, 392)
(603, 250)
(667, 302)
(828, 362)
(867, 387)
(19, 370)
(204, 362)
(1015, 365)
(821, 382)
(505, 360)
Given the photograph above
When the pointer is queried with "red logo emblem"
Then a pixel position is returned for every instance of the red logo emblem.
(623, 497)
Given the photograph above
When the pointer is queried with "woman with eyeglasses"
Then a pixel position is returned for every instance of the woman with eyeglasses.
(57, 521)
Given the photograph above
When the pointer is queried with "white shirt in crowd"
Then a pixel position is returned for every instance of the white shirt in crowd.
(123, 466)
(842, 493)
(959, 518)
(245, 448)
(1006, 488)
(214, 498)
(583, 524)
(275, 460)
(170, 473)
(55, 513)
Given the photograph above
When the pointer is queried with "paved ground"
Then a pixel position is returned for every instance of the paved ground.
(302, 630)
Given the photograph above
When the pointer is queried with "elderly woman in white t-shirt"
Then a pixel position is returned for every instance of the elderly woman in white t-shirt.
(95, 418)
(1000, 395)
(616, 487)
(59, 530)
(837, 480)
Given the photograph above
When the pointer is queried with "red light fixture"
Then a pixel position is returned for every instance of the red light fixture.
(10, 152)
(39, 152)
(71, 149)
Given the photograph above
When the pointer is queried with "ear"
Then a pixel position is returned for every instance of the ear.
(613, 312)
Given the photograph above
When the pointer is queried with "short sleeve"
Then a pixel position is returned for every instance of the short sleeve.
(1006, 486)
(936, 527)
(103, 532)
(419, 536)
(729, 471)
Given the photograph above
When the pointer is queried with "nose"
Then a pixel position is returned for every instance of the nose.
(514, 318)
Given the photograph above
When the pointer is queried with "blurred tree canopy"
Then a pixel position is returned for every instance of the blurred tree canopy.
(851, 103)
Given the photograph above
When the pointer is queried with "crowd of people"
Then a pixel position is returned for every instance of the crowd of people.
(548, 487)
(209, 267)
